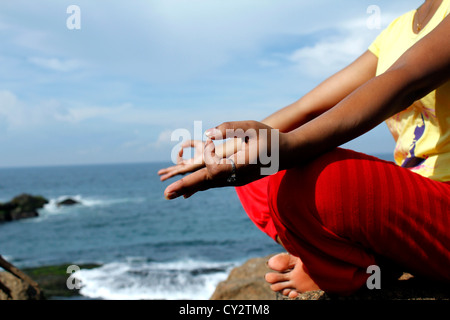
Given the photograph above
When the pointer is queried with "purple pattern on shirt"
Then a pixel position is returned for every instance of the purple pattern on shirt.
(412, 160)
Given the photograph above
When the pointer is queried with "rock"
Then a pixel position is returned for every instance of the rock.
(247, 282)
(17, 285)
(53, 279)
(5, 209)
(17, 215)
(67, 202)
(15, 288)
(26, 202)
(21, 207)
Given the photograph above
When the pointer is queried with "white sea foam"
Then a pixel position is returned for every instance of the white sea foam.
(136, 280)
(52, 206)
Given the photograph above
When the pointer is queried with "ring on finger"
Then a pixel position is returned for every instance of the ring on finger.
(232, 177)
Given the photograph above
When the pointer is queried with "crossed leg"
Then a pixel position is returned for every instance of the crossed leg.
(338, 214)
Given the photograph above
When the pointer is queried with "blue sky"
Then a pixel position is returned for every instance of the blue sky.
(114, 90)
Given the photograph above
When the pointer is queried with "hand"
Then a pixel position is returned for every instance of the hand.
(185, 166)
(260, 143)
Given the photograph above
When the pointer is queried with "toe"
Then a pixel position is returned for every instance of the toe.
(273, 277)
(286, 292)
(281, 262)
(280, 286)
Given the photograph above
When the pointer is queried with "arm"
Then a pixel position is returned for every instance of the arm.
(320, 99)
(423, 68)
(326, 95)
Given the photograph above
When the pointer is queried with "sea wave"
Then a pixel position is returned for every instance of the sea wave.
(147, 280)
(52, 206)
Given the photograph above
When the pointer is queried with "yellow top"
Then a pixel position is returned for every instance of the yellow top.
(422, 131)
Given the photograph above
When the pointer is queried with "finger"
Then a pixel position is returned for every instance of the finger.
(234, 129)
(165, 170)
(169, 175)
(209, 155)
(197, 144)
(219, 168)
(185, 144)
(191, 143)
(179, 170)
(197, 181)
(214, 134)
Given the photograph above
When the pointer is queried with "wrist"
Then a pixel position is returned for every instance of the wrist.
(289, 149)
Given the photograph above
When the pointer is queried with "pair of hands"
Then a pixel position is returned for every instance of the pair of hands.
(209, 170)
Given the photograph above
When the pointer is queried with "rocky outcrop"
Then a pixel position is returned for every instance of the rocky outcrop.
(247, 282)
(21, 207)
(16, 285)
(13, 288)
(52, 279)
(67, 202)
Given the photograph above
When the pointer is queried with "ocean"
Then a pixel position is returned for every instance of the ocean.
(149, 247)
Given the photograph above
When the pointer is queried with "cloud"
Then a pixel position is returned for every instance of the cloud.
(11, 110)
(22, 114)
(19, 115)
(134, 73)
(329, 49)
(159, 41)
(329, 55)
(164, 137)
(79, 113)
(56, 64)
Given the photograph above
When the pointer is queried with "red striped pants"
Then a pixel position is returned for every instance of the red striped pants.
(346, 211)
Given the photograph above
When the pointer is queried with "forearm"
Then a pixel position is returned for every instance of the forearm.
(325, 96)
(420, 70)
(294, 115)
(358, 113)
(314, 103)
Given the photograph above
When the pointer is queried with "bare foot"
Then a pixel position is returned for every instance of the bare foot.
(290, 278)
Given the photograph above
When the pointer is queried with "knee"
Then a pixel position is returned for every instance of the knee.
(297, 189)
(291, 197)
(312, 193)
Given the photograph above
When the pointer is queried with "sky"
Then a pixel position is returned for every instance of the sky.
(111, 81)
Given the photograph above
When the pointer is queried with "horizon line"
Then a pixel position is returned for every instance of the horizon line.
(381, 155)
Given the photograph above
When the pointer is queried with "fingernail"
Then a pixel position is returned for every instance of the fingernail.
(210, 133)
(171, 195)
